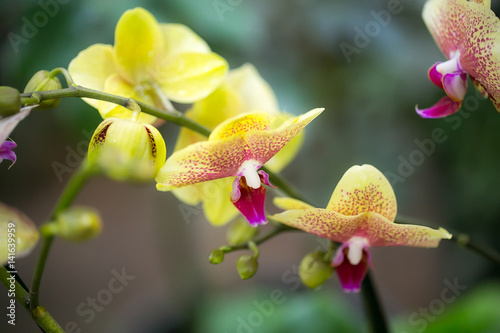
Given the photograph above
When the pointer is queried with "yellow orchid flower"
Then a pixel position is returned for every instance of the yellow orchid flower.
(468, 34)
(149, 62)
(238, 147)
(243, 91)
(18, 227)
(360, 214)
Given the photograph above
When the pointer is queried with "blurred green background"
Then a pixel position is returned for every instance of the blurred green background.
(369, 97)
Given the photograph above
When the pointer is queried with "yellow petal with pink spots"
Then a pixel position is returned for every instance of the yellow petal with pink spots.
(364, 189)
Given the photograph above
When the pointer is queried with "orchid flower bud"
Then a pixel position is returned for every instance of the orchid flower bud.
(314, 270)
(127, 150)
(78, 224)
(10, 101)
(42, 81)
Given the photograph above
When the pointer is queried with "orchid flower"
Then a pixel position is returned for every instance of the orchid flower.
(243, 91)
(237, 148)
(360, 214)
(468, 34)
(149, 62)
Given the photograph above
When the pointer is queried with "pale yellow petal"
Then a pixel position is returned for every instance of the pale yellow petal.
(217, 205)
(92, 67)
(189, 77)
(190, 195)
(255, 92)
(364, 189)
(117, 86)
(138, 44)
(17, 226)
(290, 203)
(177, 38)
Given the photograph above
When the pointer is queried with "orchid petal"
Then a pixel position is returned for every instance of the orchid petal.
(290, 203)
(265, 144)
(255, 92)
(202, 161)
(455, 86)
(351, 276)
(381, 232)
(435, 76)
(6, 152)
(250, 202)
(217, 205)
(117, 86)
(321, 222)
(92, 67)
(289, 151)
(241, 125)
(178, 38)
(188, 77)
(138, 44)
(364, 189)
(444, 107)
(473, 29)
(7, 124)
(26, 233)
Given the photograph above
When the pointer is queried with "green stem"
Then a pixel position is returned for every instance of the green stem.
(41, 316)
(70, 192)
(173, 116)
(277, 229)
(373, 308)
(60, 70)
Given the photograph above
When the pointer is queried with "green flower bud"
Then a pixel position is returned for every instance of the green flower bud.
(127, 150)
(240, 232)
(314, 269)
(216, 257)
(10, 101)
(41, 81)
(247, 266)
(78, 224)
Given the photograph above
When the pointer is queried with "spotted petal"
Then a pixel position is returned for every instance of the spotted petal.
(473, 29)
(364, 189)
(381, 232)
(138, 44)
(202, 161)
(265, 144)
(377, 229)
(321, 222)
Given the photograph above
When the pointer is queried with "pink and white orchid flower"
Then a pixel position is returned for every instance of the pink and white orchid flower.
(468, 34)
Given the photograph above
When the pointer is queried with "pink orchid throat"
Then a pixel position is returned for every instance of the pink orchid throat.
(450, 77)
(351, 263)
(251, 201)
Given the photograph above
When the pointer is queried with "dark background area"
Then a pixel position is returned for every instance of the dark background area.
(369, 96)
